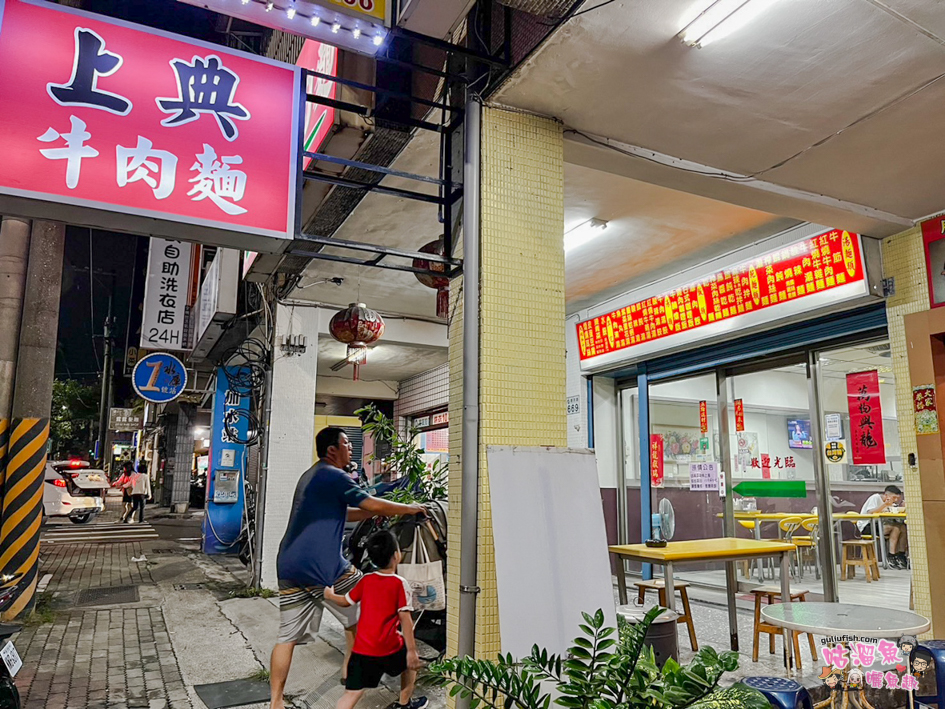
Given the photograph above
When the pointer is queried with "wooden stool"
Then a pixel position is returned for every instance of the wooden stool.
(866, 558)
(772, 593)
(659, 585)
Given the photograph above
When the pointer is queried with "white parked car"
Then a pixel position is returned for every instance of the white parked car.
(72, 489)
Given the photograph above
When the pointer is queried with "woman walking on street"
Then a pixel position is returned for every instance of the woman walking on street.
(140, 492)
(123, 483)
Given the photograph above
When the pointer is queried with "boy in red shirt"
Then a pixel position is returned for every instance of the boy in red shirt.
(379, 646)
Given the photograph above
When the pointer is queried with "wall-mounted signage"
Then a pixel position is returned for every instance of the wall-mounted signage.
(440, 419)
(356, 25)
(319, 119)
(704, 477)
(159, 377)
(106, 123)
(866, 418)
(217, 302)
(164, 321)
(739, 415)
(836, 452)
(926, 411)
(574, 405)
(933, 238)
(819, 272)
(124, 420)
(656, 459)
(703, 417)
(833, 426)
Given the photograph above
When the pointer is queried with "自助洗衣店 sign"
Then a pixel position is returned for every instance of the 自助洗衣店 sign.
(133, 129)
(163, 322)
(815, 273)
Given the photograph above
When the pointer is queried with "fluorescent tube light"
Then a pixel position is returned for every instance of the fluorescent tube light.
(722, 18)
(583, 233)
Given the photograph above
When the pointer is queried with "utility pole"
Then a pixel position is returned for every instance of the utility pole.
(32, 399)
(107, 368)
(14, 255)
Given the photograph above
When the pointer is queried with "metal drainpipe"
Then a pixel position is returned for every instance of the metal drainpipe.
(469, 513)
(264, 467)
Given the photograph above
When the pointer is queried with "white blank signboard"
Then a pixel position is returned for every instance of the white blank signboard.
(550, 545)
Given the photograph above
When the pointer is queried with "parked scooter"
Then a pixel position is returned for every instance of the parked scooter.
(11, 663)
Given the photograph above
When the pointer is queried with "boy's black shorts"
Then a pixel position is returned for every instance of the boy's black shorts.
(364, 671)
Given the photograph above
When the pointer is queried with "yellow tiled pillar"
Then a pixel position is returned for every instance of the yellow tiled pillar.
(904, 260)
(522, 347)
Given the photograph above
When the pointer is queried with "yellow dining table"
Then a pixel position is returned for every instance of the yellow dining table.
(702, 550)
(760, 518)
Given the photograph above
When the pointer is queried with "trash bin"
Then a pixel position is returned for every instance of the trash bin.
(661, 635)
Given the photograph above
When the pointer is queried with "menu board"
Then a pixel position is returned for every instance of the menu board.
(793, 273)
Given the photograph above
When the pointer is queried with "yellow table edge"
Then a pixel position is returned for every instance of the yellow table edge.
(703, 549)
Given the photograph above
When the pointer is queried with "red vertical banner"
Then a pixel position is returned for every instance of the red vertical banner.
(703, 417)
(765, 466)
(866, 418)
(656, 459)
(739, 415)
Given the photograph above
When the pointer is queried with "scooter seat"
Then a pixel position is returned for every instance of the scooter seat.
(8, 629)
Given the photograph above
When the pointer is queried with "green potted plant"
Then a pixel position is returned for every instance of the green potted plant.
(405, 459)
(604, 669)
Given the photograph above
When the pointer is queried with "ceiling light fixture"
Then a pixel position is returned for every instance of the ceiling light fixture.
(335, 27)
(583, 233)
(356, 33)
(378, 40)
(315, 20)
(290, 13)
(720, 19)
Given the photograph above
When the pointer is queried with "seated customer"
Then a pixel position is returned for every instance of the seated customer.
(894, 529)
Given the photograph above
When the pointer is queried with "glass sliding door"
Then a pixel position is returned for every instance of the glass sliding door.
(685, 428)
(865, 467)
(771, 435)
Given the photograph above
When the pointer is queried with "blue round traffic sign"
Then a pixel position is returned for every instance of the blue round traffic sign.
(159, 377)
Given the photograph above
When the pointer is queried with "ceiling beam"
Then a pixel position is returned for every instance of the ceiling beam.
(648, 166)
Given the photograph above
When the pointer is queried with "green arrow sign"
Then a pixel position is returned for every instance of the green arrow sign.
(771, 488)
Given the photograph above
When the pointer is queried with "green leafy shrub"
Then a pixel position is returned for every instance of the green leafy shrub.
(604, 669)
(405, 460)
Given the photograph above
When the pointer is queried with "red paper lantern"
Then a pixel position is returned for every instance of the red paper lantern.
(356, 326)
(441, 283)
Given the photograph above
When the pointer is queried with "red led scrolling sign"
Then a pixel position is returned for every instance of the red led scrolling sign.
(790, 275)
(140, 130)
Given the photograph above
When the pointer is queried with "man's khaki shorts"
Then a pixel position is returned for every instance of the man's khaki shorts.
(300, 608)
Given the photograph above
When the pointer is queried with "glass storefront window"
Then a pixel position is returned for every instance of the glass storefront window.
(777, 442)
(836, 366)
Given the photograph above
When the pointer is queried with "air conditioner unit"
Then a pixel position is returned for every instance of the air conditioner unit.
(433, 18)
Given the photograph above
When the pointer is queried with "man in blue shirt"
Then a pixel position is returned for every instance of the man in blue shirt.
(310, 556)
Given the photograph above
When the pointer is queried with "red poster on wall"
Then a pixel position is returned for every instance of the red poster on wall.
(765, 466)
(739, 415)
(866, 418)
(703, 417)
(656, 459)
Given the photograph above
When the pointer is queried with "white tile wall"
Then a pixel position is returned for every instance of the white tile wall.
(576, 386)
(292, 428)
(423, 392)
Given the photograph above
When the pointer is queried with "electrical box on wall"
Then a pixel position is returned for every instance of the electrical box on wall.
(226, 486)
(434, 18)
